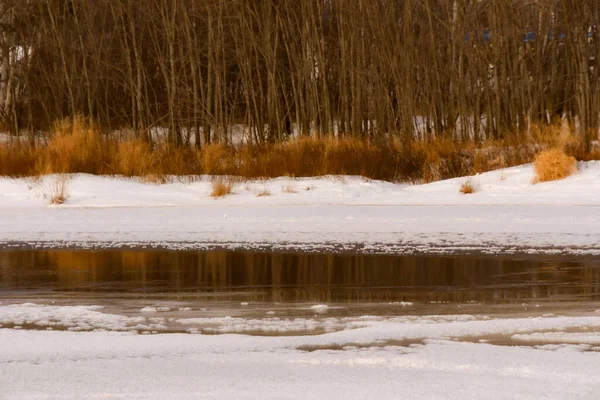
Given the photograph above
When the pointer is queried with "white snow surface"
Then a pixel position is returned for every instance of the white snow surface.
(412, 357)
(507, 214)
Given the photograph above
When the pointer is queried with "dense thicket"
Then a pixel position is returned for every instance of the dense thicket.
(203, 69)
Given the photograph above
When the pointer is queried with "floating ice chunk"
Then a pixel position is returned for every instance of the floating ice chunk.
(148, 309)
(25, 305)
(185, 308)
(402, 303)
(163, 309)
(320, 308)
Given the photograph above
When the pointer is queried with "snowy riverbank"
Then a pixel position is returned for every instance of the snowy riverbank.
(507, 214)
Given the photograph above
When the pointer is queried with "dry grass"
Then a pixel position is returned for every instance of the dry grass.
(57, 189)
(289, 188)
(134, 157)
(78, 145)
(17, 160)
(156, 179)
(263, 193)
(75, 145)
(552, 165)
(468, 187)
(221, 187)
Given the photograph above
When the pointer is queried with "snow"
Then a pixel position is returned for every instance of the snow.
(75, 318)
(320, 308)
(509, 214)
(402, 303)
(88, 351)
(416, 357)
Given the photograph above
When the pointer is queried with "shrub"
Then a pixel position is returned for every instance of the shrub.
(57, 191)
(217, 159)
(17, 159)
(133, 158)
(468, 187)
(289, 188)
(221, 187)
(75, 146)
(552, 165)
(263, 193)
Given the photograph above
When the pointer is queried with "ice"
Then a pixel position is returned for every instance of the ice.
(592, 338)
(320, 308)
(267, 325)
(75, 318)
(402, 303)
(357, 362)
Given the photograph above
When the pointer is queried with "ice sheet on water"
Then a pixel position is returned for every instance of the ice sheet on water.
(77, 318)
(591, 338)
(269, 325)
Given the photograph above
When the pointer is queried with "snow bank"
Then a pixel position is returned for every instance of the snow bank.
(508, 214)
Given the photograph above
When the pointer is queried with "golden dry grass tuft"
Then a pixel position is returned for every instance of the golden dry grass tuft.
(75, 146)
(289, 188)
(57, 191)
(17, 160)
(217, 159)
(552, 165)
(156, 179)
(468, 187)
(134, 157)
(221, 187)
(263, 193)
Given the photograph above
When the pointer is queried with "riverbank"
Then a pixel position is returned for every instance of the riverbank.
(506, 214)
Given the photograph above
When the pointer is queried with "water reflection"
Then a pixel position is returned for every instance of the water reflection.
(301, 277)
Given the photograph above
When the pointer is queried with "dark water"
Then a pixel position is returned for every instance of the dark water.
(297, 278)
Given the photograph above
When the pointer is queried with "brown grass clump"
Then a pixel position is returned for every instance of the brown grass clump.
(468, 187)
(442, 159)
(289, 188)
(75, 146)
(57, 191)
(221, 187)
(134, 157)
(552, 165)
(156, 179)
(218, 159)
(263, 193)
(17, 160)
